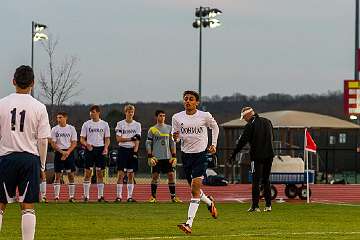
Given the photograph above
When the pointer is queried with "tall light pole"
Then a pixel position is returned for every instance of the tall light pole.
(204, 17)
(36, 35)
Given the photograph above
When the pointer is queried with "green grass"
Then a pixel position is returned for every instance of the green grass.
(158, 221)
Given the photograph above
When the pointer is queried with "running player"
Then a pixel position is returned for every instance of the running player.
(95, 136)
(128, 132)
(161, 150)
(64, 141)
(24, 133)
(190, 127)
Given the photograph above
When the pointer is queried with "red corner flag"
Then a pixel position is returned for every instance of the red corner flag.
(310, 145)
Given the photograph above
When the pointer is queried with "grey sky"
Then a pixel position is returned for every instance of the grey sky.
(147, 50)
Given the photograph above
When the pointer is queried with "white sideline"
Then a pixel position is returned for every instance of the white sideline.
(240, 235)
(326, 202)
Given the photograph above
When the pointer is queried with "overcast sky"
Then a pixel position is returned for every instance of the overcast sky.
(147, 50)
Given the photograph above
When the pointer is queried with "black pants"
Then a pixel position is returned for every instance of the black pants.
(261, 174)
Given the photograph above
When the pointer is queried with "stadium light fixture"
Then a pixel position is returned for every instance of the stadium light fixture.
(353, 117)
(204, 17)
(36, 35)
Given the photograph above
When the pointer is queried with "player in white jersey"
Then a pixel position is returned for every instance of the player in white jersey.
(190, 128)
(128, 132)
(24, 133)
(64, 141)
(95, 136)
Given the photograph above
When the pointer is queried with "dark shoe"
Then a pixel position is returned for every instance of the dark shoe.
(72, 200)
(86, 200)
(254, 209)
(102, 199)
(267, 209)
(117, 200)
(131, 200)
(185, 228)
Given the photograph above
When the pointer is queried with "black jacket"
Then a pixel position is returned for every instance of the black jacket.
(258, 133)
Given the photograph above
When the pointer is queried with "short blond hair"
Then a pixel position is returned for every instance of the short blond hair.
(129, 107)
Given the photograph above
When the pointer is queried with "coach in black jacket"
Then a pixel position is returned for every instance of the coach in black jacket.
(258, 133)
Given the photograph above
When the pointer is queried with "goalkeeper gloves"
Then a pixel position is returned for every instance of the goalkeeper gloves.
(173, 160)
(152, 161)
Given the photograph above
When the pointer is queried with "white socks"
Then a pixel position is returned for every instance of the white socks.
(28, 222)
(71, 190)
(130, 188)
(100, 187)
(204, 198)
(43, 189)
(119, 188)
(193, 207)
(56, 190)
(86, 186)
(1, 217)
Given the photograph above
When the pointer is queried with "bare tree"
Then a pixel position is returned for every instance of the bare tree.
(58, 83)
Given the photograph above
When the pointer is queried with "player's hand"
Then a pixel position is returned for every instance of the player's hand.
(152, 161)
(212, 149)
(65, 155)
(89, 147)
(42, 174)
(176, 136)
(105, 152)
(173, 161)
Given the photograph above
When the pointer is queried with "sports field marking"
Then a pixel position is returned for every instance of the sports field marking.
(326, 202)
(241, 235)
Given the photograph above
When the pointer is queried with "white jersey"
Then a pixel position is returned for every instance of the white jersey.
(63, 136)
(193, 130)
(95, 132)
(127, 130)
(23, 120)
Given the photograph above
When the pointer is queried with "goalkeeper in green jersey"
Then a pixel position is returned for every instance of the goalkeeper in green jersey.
(161, 151)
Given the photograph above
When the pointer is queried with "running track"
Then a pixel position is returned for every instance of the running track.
(230, 193)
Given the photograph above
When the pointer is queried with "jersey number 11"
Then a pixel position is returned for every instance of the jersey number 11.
(13, 119)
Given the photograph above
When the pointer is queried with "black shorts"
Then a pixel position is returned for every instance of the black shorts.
(125, 160)
(68, 164)
(194, 164)
(163, 166)
(95, 157)
(19, 170)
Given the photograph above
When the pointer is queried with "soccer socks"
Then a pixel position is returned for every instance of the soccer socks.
(43, 189)
(193, 207)
(56, 190)
(28, 222)
(100, 187)
(86, 186)
(1, 217)
(71, 190)
(172, 189)
(153, 189)
(130, 188)
(119, 188)
(204, 198)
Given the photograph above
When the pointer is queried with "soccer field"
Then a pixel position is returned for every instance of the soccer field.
(158, 221)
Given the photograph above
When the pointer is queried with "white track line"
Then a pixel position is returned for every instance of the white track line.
(241, 235)
(328, 202)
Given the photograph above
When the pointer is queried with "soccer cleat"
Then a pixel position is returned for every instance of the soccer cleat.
(131, 200)
(267, 209)
(117, 200)
(44, 200)
(72, 200)
(252, 209)
(212, 209)
(56, 199)
(86, 200)
(102, 199)
(152, 200)
(176, 200)
(185, 228)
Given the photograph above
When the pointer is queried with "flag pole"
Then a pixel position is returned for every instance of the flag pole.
(306, 162)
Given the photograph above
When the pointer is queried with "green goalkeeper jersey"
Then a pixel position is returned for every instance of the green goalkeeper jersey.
(159, 141)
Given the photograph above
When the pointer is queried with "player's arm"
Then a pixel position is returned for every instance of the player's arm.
(137, 138)
(175, 129)
(172, 160)
(106, 139)
(149, 142)
(42, 147)
(212, 124)
(83, 139)
(44, 132)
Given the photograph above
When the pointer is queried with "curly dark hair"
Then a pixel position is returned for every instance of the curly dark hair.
(24, 76)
